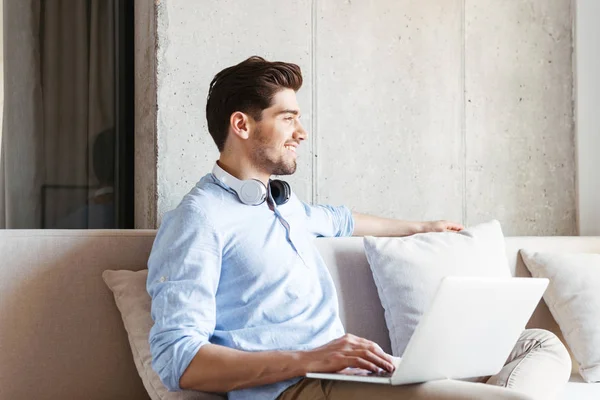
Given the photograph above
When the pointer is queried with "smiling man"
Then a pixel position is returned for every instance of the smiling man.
(241, 299)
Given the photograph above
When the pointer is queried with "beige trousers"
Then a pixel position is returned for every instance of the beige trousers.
(537, 368)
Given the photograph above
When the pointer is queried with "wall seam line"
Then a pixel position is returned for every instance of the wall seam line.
(155, 197)
(314, 144)
(574, 111)
(463, 105)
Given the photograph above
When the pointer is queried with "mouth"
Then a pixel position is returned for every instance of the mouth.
(291, 148)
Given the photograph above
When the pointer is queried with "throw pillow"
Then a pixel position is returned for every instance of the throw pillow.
(573, 297)
(408, 270)
(133, 301)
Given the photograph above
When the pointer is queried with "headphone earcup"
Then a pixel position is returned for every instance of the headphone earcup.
(281, 191)
(252, 192)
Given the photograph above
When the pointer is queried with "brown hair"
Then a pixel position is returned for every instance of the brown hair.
(247, 87)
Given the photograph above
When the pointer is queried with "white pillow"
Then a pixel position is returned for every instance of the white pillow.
(133, 301)
(408, 270)
(573, 297)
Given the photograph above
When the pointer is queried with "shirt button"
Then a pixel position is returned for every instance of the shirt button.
(162, 279)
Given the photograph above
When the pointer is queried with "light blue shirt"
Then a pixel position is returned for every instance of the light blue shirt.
(241, 276)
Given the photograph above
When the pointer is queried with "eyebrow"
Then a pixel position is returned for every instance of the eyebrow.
(288, 111)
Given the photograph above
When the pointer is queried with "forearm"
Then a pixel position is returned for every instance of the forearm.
(222, 369)
(368, 225)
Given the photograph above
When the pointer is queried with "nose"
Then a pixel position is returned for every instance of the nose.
(300, 133)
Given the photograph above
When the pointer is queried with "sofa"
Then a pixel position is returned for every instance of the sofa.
(62, 337)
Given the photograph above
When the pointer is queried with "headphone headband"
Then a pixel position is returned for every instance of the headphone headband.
(252, 191)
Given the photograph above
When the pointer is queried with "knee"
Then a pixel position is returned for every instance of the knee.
(550, 344)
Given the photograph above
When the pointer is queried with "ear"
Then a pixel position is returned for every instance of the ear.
(240, 124)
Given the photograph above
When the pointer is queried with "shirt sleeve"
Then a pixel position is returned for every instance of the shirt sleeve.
(183, 275)
(327, 221)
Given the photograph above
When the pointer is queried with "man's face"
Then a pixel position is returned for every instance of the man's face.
(275, 138)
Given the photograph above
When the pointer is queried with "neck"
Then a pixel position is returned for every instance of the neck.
(242, 168)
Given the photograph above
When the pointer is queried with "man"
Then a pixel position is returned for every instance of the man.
(241, 299)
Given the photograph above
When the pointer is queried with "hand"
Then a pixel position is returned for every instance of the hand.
(348, 351)
(442, 226)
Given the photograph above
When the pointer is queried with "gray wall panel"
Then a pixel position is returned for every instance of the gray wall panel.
(145, 115)
(519, 116)
(587, 116)
(197, 40)
(388, 107)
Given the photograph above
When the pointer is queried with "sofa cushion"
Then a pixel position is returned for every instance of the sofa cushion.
(573, 297)
(133, 302)
(408, 270)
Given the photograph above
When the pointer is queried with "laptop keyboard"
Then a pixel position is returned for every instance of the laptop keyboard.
(382, 374)
(364, 372)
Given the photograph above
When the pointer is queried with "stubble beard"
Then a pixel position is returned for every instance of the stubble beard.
(261, 158)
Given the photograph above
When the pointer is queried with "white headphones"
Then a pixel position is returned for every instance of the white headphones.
(252, 191)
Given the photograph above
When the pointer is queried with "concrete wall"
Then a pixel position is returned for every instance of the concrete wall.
(520, 144)
(195, 41)
(588, 114)
(458, 109)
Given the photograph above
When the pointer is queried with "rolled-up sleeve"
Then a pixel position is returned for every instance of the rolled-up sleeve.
(327, 221)
(183, 275)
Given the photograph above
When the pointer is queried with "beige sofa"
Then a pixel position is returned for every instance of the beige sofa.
(61, 336)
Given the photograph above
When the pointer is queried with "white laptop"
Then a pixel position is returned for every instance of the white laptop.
(469, 330)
